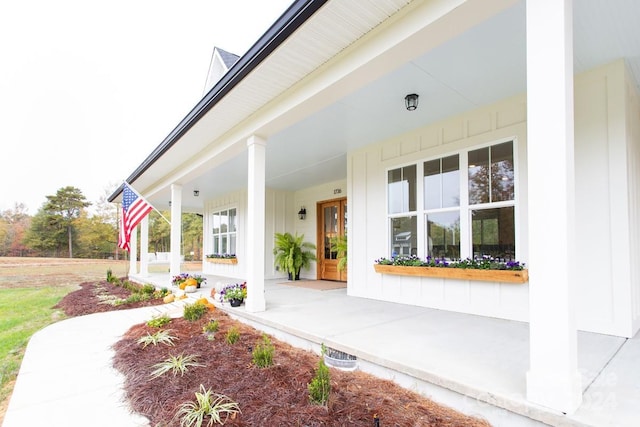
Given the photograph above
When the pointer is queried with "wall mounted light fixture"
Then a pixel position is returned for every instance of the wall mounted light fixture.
(196, 193)
(302, 213)
(411, 101)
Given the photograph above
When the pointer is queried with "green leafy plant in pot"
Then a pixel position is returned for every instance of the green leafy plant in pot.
(293, 253)
(339, 245)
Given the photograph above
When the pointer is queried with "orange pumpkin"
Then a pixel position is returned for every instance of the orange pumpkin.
(191, 282)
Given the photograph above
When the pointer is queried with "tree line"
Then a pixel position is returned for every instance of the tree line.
(65, 227)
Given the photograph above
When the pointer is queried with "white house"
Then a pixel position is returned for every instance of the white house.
(525, 144)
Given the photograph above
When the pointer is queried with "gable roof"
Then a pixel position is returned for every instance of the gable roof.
(221, 61)
(227, 57)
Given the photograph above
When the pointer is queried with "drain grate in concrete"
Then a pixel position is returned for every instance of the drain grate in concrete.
(339, 359)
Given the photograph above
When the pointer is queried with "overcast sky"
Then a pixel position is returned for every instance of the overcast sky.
(89, 88)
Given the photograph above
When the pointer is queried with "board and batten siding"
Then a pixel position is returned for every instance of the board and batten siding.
(367, 189)
(278, 218)
(607, 234)
(607, 176)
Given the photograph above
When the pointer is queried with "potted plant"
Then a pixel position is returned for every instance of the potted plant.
(293, 253)
(339, 245)
(235, 293)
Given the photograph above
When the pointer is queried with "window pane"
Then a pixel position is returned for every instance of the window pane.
(403, 236)
(224, 221)
(216, 223)
(216, 245)
(493, 233)
(502, 185)
(491, 174)
(232, 221)
(224, 244)
(450, 181)
(432, 185)
(443, 235)
(479, 176)
(402, 189)
(330, 215)
(442, 183)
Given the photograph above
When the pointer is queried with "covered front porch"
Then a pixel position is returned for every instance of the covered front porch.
(475, 364)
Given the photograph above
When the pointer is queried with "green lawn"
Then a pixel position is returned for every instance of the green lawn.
(23, 311)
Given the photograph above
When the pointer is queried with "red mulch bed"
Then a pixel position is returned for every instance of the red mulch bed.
(272, 396)
(88, 299)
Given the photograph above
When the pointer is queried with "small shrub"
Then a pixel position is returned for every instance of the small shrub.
(217, 407)
(195, 311)
(263, 353)
(131, 299)
(320, 386)
(110, 277)
(233, 335)
(159, 321)
(212, 326)
(175, 364)
(160, 337)
(148, 289)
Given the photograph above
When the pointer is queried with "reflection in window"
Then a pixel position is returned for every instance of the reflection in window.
(491, 174)
(224, 231)
(442, 183)
(403, 236)
(443, 235)
(402, 189)
(330, 230)
(493, 232)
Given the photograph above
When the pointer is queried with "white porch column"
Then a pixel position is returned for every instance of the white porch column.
(176, 227)
(133, 251)
(553, 379)
(144, 246)
(255, 224)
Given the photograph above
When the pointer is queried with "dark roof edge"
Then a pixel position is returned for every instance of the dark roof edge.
(296, 15)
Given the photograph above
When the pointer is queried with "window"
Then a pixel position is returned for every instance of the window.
(401, 188)
(493, 232)
(461, 215)
(442, 207)
(224, 231)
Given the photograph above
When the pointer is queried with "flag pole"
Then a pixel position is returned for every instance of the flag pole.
(139, 195)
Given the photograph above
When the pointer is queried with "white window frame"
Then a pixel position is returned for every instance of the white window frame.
(228, 233)
(465, 209)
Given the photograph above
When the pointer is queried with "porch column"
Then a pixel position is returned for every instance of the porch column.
(176, 227)
(133, 251)
(144, 246)
(256, 147)
(553, 379)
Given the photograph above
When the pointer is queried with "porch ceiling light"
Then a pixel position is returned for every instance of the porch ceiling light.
(411, 101)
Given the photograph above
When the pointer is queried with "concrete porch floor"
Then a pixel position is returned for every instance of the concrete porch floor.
(474, 364)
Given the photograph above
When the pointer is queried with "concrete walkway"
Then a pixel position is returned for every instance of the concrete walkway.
(474, 364)
(66, 378)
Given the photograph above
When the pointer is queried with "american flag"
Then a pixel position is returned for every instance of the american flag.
(134, 209)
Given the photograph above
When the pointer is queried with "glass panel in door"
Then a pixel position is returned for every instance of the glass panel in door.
(332, 217)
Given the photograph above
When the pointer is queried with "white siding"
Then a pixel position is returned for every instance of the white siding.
(607, 204)
(308, 198)
(367, 184)
(279, 218)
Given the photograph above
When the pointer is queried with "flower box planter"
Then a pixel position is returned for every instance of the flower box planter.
(223, 260)
(505, 276)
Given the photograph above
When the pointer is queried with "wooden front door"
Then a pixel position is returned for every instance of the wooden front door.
(332, 222)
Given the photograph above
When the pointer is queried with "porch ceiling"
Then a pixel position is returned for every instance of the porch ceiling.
(308, 144)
